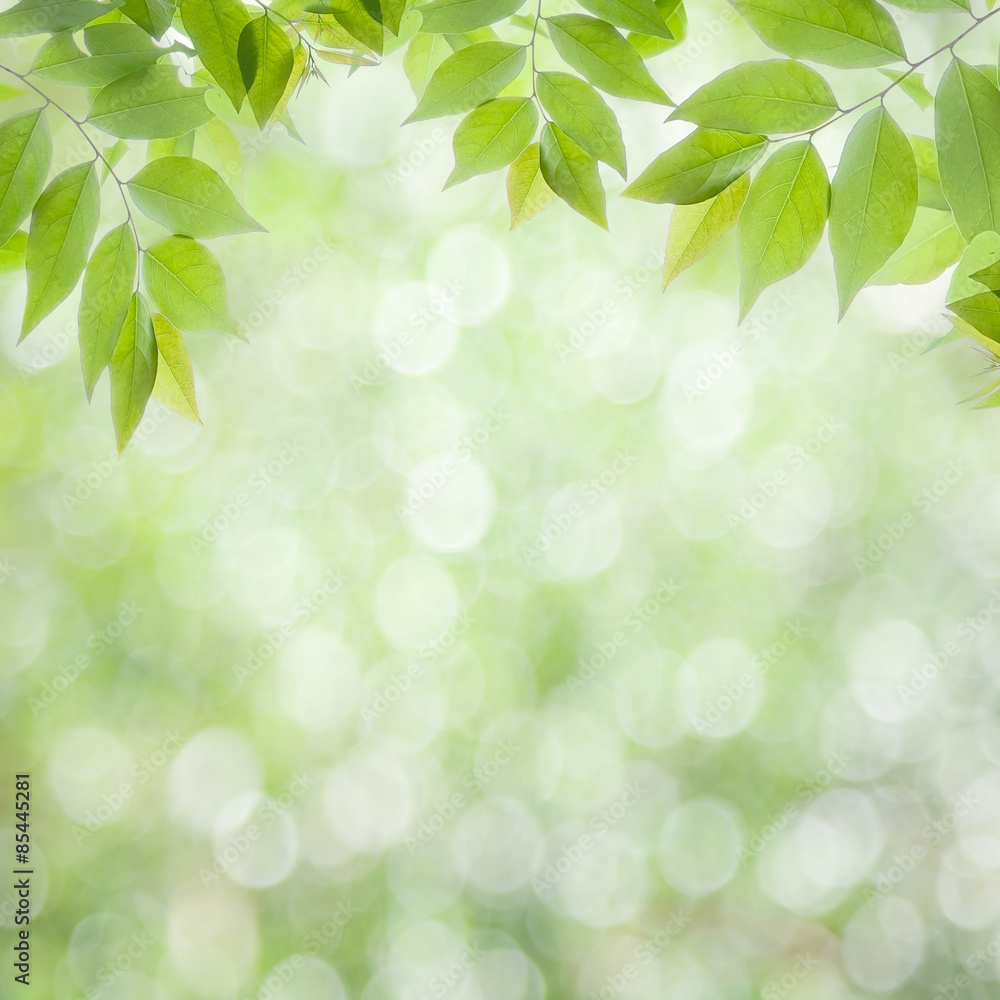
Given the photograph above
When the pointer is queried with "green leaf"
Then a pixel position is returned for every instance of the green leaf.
(108, 284)
(215, 142)
(981, 312)
(844, 33)
(571, 172)
(491, 136)
(675, 18)
(695, 230)
(25, 155)
(913, 85)
(422, 57)
(594, 49)
(174, 385)
(153, 16)
(458, 16)
(133, 370)
(873, 201)
(932, 6)
(266, 60)
(30, 17)
(63, 224)
(632, 15)
(967, 126)
(214, 27)
(527, 192)
(774, 96)
(362, 19)
(978, 262)
(149, 103)
(12, 253)
(929, 193)
(699, 167)
(115, 49)
(469, 77)
(188, 286)
(189, 198)
(932, 245)
(783, 219)
(584, 116)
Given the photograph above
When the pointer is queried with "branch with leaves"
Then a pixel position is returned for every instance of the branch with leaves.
(900, 208)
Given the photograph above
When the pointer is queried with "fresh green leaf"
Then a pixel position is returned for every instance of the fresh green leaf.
(188, 286)
(214, 27)
(133, 370)
(697, 168)
(149, 103)
(594, 49)
(362, 19)
(115, 49)
(929, 193)
(873, 201)
(571, 172)
(266, 61)
(913, 85)
(632, 15)
(932, 245)
(527, 192)
(422, 57)
(458, 16)
(774, 96)
(967, 126)
(844, 33)
(30, 17)
(174, 385)
(108, 284)
(189, 198)
(25, 155)
(468, 78)
(978, 262)
(153, 16)
(12, 253)
(491, 136)
(63, 224)
(695, 230)
(577, 108)
(675, 18)
(932, 6)
(783, 219)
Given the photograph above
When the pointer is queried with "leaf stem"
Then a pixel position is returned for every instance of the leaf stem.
(49, 102)
(534, 71)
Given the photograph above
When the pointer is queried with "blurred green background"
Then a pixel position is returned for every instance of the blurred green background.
(510, 629)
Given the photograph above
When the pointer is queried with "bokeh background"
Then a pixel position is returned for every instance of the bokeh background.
(509, 629)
